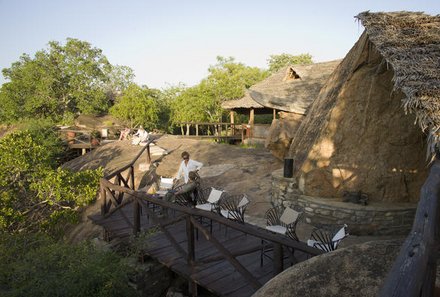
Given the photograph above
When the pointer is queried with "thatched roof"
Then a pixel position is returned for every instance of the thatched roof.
(293, 88)
(410, 42)
(245, 102)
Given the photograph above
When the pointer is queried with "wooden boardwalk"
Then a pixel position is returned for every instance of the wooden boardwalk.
(210, 270)
(219, 254)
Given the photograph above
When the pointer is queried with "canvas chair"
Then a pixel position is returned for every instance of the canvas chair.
(213, 200)
(326, 242)
(282, 221)
(211, 203)
(233, 207)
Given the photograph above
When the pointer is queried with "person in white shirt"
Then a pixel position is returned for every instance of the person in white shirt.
(186, 166)
(140, 137)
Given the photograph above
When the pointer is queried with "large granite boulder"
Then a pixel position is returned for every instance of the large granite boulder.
(281, 133)
(358, 270)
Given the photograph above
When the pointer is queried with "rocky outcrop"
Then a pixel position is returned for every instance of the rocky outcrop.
(358, 270)
(281, 132)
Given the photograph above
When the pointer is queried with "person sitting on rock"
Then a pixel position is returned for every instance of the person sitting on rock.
(124, 134)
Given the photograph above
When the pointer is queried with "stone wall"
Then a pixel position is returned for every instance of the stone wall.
(374, 219)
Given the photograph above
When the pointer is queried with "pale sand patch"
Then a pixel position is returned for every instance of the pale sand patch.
(215, 170)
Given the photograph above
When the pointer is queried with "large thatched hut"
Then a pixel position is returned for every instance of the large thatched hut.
(290, 91)
(369, 129)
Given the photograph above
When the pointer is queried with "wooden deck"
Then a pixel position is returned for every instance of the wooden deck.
(210, 270)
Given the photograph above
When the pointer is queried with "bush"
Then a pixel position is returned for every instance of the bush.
(34, 194)
(35, 265)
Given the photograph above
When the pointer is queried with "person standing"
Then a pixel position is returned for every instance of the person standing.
(186, 166)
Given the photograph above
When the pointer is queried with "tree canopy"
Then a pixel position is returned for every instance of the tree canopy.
(137, 106)
(60, 81)
(226, 80)
(276, 62)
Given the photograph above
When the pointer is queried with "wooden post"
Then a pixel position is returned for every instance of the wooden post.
(251, 121)
(104, 199)
(132, 177)
(192, 286)
(197, 129)
(231, 113)
(136, 217)
(277, 258)
(148, 154)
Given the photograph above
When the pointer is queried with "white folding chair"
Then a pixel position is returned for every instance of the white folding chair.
(325, 242)
(212, 201)
(288, 217)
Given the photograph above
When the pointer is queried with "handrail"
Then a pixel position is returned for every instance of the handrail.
(114, 173)
(208, 123)
(246, 228)
(414, 270)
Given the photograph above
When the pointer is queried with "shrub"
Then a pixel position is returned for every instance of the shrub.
(35, 265)
(34, 194)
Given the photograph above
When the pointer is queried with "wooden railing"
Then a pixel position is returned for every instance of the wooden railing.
(210, 129)
(113, 197)
(414, 270)
(142, 203)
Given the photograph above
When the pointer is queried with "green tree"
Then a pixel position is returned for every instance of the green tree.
(60, 81)
(276, 62)
(226, 80)
(137, 106)
(34, 194)
(165, 104)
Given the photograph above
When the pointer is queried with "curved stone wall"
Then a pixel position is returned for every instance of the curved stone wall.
(374, 219)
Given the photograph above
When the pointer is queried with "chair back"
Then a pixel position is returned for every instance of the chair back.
(166, 183)
(214, 196)
(341, 234)
(289, 216)
(243, 202)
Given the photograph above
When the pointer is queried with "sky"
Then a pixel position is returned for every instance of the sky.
(167, 42)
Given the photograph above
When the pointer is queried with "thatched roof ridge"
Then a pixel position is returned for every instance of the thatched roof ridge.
(410, 42)
(293, 88)
(245, 102)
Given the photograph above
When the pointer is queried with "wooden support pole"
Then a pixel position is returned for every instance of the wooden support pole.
(251, 121)
(192, 286)
(148, 154)
(132, 177)
(136, 217)
(277, 258)
(251, 117)
(231, 113)
(104, 199)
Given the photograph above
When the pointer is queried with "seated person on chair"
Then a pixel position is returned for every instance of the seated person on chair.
(140, 137)
(190, 187)
(186, 166)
